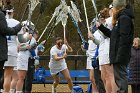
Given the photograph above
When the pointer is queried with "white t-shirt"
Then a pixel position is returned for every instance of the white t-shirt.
(57, 66)
(12, 40)
(59, 52)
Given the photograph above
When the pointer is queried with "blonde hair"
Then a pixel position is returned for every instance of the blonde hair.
(116, 11)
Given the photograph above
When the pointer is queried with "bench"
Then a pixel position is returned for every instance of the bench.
(78, 77)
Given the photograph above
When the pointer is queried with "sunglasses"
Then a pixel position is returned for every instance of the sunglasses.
(59, 43)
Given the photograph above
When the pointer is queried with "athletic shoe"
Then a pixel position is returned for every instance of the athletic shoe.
(53, 90)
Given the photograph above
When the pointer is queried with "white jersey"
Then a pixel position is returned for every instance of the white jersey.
(91, 49)
(26, 54)
(102, 59)
(109, 25)
(104, 45)
(58, 52)
(57, 66)
(12, 41)
(101, 39)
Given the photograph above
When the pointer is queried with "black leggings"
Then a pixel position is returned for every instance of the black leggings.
(135, 88)
(27, 88)
(1, 74)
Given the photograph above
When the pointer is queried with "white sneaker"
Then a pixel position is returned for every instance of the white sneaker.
(53, 90)
(1, 90)
(36, 60)
(12, 90)
(72, 91)
(19, 92)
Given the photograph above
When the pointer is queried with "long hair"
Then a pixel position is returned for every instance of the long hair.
(116, 11)
(104, 13)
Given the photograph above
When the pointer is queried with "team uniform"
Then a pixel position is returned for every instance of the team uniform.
(90, 53)
(23, 56)
(108, 24)
(104, 44)
(57, 66)
(12, 45)
(100, 37)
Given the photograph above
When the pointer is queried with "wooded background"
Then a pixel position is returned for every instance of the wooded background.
(71, 31)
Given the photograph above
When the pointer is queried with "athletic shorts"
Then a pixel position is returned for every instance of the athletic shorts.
(22, 63)
(57, 68)
(104, 59)
(89, 63)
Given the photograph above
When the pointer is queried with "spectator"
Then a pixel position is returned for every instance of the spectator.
(4, 31)
(12, 50)
(134, 66)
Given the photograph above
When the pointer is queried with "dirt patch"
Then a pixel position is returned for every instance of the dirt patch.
(62, 88)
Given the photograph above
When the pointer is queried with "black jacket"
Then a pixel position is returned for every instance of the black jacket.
(4, 30)
(121, 37)
(134, 67)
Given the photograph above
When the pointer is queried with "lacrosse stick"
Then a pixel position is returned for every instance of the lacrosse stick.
(75, 12)
(93, 24)
(56, 12)
(78, 29)
(94, 5)
(64, 16)
(24, 13)
(24, 38)
(86, 15)
(32, 5)
(43, 4)
(64, 22)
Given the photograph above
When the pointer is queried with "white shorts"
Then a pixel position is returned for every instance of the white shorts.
(104, 59)
(22, 63)
(12, 61)
(89, 63)
(56, 68)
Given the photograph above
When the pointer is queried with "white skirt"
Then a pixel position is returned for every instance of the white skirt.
(12, 61)
(56, 67)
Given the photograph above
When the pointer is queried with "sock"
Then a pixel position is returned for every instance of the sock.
(19, 92)
(72, 91)
(1, 90)
(5, 92)
(12, 90)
